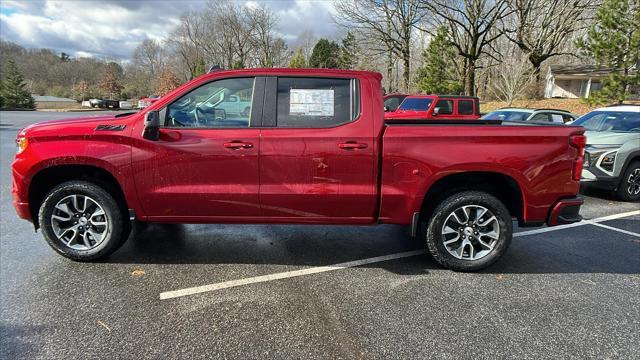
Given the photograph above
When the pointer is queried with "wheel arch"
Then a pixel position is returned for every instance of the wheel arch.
(48, 177)
(500, 185)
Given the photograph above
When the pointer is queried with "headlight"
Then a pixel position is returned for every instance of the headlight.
(608, 160)
(602, 157)
(22, 144)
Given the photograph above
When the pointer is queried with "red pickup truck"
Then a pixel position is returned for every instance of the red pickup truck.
(436, 107)
(313, 149)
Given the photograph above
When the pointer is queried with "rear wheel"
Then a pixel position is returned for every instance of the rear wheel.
(82, 221)
(469, 231)
(629, 189)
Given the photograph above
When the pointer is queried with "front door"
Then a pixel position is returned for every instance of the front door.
(317, 153)
(205, 164)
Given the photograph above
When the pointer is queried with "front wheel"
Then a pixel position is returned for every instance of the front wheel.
(82, 221)
(469, 231)
(629, 189)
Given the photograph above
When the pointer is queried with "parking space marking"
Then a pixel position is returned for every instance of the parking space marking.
(349, 264)
(616, 229)
(287, 274)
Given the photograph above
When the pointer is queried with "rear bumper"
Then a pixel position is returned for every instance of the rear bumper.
(565, 211)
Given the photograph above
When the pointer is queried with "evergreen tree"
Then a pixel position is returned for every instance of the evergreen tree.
(438, 74)
(614, 42)
(297, 61)
(14, 90)
(325, 54)
(200, 68)
(348, 52)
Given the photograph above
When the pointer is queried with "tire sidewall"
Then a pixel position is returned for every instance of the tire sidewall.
(434, 230)
(623, 192)
(112, 213)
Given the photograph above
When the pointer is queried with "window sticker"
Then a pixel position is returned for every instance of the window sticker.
(311, 102)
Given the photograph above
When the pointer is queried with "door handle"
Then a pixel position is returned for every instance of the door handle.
(352, 145)
(238, 145)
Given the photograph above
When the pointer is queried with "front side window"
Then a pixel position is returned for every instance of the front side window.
(445, 107)
(416, 104)
(316, 102)
(218, 104)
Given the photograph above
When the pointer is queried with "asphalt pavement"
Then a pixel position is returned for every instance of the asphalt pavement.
(263, 291)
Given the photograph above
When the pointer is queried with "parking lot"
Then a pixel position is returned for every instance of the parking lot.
(264, 291)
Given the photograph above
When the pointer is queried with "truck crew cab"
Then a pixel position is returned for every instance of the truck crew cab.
(312, 149)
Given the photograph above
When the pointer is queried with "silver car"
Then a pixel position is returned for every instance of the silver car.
(612, 156)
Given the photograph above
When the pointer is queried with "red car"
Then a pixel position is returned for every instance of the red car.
(436, 107)
(313, 149)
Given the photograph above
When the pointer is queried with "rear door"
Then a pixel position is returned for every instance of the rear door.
(317, 151)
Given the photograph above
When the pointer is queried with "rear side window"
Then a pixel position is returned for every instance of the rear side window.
(465, 107)
(445, 107)
(316, 102)
(540, 117)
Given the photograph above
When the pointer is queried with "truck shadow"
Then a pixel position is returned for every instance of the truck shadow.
(585, 249)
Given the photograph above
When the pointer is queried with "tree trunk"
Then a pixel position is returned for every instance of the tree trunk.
(470, 89)
(407, 70)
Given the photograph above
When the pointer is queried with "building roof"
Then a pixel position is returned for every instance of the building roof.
(586, 70)
(45, 98)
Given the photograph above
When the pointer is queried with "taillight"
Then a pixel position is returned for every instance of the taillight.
(579, 142)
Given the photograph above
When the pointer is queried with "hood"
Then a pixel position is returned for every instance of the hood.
(73, 125)
(609, 137)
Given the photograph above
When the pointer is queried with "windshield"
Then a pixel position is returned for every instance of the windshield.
(508, 115)
(416, 104)
(616, 121)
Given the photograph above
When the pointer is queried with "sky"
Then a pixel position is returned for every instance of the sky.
(111, 29)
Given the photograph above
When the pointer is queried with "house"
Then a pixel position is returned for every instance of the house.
(52, 102)
(576, 81)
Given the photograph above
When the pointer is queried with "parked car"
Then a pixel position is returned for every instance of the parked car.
(315, 149)
(145, 102)
(125, 105)
(95, 103)
(392, 101)
(436, 107)
(536, 115)
(612, 157)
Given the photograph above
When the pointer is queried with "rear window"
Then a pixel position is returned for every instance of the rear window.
(465, 107)
(316, 102)
(416, 104)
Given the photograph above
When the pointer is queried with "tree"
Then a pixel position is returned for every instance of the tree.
(200, 68)
(325, 54)
(14, 90)
(348, 52)
(438, 74)
(149, 56)
(110, 83)
(297, 61)
(614, 42)
(473, 26)
(81, 88)
(513, 78)
(168, 82)
(387, 25)
(540, 28)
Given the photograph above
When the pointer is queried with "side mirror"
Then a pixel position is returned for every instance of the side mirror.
(436, 111)
(386, 108)
(151, 126)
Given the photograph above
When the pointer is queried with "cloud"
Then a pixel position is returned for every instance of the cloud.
(113, 28)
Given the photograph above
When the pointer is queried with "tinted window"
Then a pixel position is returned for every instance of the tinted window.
(416, 104)
(540, 117)
(507, 115)
(465, 107)
(316, 102)
(393, 102)
(445, 107)
(222, 103)
(616, 121)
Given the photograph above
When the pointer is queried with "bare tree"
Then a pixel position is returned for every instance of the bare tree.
(389, 24)
(149, 55)
(264, 22)
(474, 25)
(305, 42)
(513, 79)
(541, 27)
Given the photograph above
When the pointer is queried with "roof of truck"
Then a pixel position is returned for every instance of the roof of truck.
(294, 71)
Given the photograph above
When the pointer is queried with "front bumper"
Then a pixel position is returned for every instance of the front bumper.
(594, 177)
(565, 211)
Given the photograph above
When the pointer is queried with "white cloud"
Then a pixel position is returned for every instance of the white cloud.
(113, 28)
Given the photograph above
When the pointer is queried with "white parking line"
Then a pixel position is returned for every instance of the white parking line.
(616, 229)
(320, 269)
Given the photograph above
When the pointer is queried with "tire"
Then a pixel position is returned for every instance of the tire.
(629, 188)
(484, 241)
(93, 233)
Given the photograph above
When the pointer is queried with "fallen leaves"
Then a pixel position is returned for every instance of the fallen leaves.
(137, 272)
(500, 277)
(104, 325)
